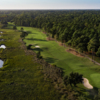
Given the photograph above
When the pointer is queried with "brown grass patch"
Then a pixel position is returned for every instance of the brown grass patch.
(74, 52)
(49, 39)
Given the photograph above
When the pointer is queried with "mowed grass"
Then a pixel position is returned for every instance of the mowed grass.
(55, 54)
(19, 77)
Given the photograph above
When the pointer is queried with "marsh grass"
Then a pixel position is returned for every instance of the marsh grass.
(19, 77)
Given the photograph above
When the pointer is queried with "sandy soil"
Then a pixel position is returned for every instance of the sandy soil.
(74, 52)
(37, 46)
(87, 84)
(49, 39)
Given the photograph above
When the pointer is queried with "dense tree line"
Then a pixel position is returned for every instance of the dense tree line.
(77, 28)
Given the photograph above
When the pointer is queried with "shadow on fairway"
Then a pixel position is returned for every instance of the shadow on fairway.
(50, 60)
(31, 32)
(93, 92)
(45, 48)
(81, 65)
(37, 49)
(34, 39)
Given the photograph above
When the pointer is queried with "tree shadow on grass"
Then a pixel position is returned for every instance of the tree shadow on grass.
(31, 32)
(37, 49)
(93, 92)
(50, 60)
(29, 38)
(45, 48)
(35, 39)
(81, 65)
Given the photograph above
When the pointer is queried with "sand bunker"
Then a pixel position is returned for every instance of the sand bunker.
(87, 84)
(37, 46)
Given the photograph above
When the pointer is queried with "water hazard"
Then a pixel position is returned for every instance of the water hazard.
(1, 39)
(3, 46)
(1, 63)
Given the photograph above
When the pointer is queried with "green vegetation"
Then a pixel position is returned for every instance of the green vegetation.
(55, 54)
(14, 27)
(19, 77)
(73, 79)
(77, 29)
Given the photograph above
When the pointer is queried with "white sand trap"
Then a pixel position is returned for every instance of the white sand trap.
(87, 84)
(3, 46)
(37, 46)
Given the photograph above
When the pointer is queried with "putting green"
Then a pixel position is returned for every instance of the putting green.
(55, 54)
(96, 78)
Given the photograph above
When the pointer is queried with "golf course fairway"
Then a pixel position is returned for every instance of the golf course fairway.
(55, 54)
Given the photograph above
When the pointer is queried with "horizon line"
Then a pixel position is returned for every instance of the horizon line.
(49, 9)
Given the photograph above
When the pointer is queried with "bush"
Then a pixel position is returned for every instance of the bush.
(14, 27)
(98, 52)
(23, 34)
(39, 55)
(73, 78)
(21, 29)
(29, 46)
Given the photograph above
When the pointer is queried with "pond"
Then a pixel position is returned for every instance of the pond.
(3, 46)
(1, 39)
(1, 63)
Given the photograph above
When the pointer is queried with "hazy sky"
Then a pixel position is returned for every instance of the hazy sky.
(49, 4)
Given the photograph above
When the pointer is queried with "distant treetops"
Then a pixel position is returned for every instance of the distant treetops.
(79, 29)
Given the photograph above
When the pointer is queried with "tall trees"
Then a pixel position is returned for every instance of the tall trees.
(82, 43)
(93, 45)
(98, 52)
(73, 78)
(76, 28)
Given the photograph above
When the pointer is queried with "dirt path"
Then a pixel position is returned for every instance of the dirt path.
(92, 60)
(74, 52)
(81, 55)
(71, 50)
